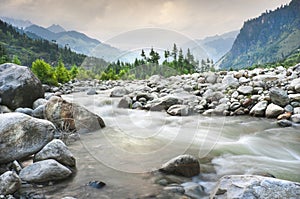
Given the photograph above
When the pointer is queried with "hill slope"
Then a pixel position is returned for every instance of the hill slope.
(14, 42)
(271, 37)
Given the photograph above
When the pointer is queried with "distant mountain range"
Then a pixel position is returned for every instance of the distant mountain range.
(77, 41)
(271, 37)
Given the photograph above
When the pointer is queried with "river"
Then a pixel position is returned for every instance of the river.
(136, 142)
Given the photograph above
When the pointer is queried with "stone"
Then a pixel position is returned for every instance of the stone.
(137, 105)
(69, 116)
(259, 109)
(284, 116)
(183, 165)
(234, 106)
(297, 88)
(295, 118)
(230, 81)
(9, 183)
(211, 95)
(284, 123)
(245, 90)
(175, 188)
(92, 91)
(22, 135)
(220, 109)
(178, 110)
(279, 96)
(273, 111)
(295, 97)
(211, 78)
(45, 171)
(125, 102)
(193, 190)
(252, 186)
(38, 102)
(58, 151)
(39, 112)
(165, 103)
(19, 87)
(297, 110)
(27, 111)
(119, 92)
(289, 108)
(4, 109)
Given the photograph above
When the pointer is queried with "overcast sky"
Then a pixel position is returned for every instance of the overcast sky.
(105, 19)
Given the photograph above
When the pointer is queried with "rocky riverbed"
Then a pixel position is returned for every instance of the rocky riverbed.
(191, 100)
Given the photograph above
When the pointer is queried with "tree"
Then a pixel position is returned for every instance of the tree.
(74, 72)
(3, 55)
(174, 52)
(44, 72)
(62, 74)
(16, 60)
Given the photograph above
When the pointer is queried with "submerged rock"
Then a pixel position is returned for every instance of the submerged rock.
(183, 165)
(22, 135)
(96, 184)
(70, 116)
(44, 171)
(251, 186)
(178, 110)
(19, 87)
(9, 183)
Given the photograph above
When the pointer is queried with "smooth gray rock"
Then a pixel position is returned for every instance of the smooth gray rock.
(125, 102)
(230, 81)
(39, 112)
(296, 118)
(175, 188)
(295, 97)
(251, 186)
(92, 91)
(22, 135)
(137, 105)
(44, 171)
(9, 183)
(259, 109)
(19, 87)
(279, 96)
(27, 111)
(193, 190)
(39, 102)
(70, 116)
(220, 109)
(235, 105)
(211, 95)
(119, 92)
(58, 151)
(165, 103)
(297, 110)
(273, 110)
(178, 110)
(245, 90)
(183, 165)
(4, 109)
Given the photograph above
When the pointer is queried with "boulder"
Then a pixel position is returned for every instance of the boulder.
(22, 135)
(251, 186)
(119, 92)
(245, 90)
(295, 97)
(58, 151)
(39, 112)
(178, 110)
(183, 165)
(39, 102)
(70, 116)
(230, 81)
(273, 111)
(259, 109)
(19, 87)
(165, 103)
(296, 118)
(279, 96)
(92, 91)
(9, 183)
(27, 111)
(125, 102)
(44, 171)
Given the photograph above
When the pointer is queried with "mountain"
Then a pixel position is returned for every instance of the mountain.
(218, 45)
(15, 43)
(56, 28)
(77, 41)
(19, 23)
(271, 37)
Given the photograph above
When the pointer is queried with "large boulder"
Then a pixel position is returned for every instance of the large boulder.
(183, 165)
(58, 151)
(165, 103)
(69, 116)
(119, 92)
(279, 96)
(274, 110)
(19, 87)
(178, 110)
(259, 109)
(22, 135)
(251, 186)
(9, 183)
(44, 171)
(125, 102)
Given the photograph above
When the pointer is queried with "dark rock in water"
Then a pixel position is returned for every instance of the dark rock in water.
(92, 91)
(96, 184)
(125, 102)
(22, 135)
(70, 116)
(19, 87)
(285, 123)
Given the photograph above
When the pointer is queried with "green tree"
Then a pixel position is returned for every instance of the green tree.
(62, 74)
(16, 60)
(44, 72)
(74, 72)
(3, 55)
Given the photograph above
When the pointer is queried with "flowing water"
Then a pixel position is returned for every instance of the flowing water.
(136, 142)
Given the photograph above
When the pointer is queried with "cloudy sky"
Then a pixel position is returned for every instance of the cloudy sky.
(105, 19)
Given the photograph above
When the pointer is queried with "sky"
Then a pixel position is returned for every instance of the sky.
(106, 19)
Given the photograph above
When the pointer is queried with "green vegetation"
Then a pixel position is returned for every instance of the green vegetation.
(17, 47)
